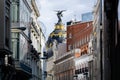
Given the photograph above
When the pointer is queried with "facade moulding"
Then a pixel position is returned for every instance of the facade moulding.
(35, 29)
(35, 8)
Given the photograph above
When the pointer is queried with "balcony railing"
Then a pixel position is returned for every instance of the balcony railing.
(23, 67)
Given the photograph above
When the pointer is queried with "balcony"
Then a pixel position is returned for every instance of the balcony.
(23, 69)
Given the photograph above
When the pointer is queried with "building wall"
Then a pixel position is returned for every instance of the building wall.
(64, 67)
(96, 43)
(20, 18)
(28, 41)
(66, 73)
(36, 37)
(111, 39)
(21, 13)
(61, 51)
(82, 66)
(43, 63)
(78, 35)
(50, 66)
(6, 61)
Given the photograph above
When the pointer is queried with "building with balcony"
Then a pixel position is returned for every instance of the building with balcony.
(20, 14)
(26, 39)
(6, 61)
(78, 40)
(78, 35)
(35, 36)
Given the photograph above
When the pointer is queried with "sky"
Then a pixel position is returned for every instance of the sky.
(74, 9)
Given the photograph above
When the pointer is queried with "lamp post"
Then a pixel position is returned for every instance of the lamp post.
(18, 29)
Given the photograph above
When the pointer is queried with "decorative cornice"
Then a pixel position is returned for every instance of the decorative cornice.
(35, 8)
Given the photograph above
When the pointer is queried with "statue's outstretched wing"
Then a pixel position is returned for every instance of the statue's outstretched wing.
(59, 11)
(63, 10)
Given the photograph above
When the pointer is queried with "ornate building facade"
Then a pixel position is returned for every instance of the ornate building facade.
(78, 40)
(26, 39)
(58, 35)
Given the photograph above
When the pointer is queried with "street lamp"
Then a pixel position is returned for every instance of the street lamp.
(18, 29)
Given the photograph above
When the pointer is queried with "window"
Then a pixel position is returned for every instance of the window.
(79, 43)
(70, 35)
(15, 12)
(15, 45)
(82, 41)
(87, 39)
(7, 26)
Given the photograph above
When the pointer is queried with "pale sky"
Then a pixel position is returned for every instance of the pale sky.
(74, 9)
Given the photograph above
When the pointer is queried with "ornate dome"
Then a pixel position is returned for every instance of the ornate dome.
(58, 34)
